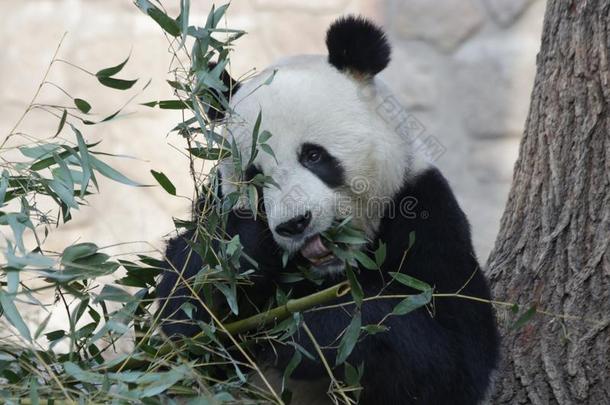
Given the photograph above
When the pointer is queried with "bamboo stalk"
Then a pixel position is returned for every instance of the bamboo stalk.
(294, 305)
(276, 314)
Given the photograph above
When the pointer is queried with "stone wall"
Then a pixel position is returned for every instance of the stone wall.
(462, 68)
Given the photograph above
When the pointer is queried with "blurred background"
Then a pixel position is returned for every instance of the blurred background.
(463, 69)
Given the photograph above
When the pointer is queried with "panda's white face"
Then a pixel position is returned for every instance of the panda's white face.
(334, 154)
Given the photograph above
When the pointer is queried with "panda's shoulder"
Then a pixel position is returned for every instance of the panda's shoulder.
(431, 188)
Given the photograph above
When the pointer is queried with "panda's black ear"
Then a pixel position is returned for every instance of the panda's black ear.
(216, 111)
(357, 45)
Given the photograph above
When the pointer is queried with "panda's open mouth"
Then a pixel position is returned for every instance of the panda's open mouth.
(318, 254)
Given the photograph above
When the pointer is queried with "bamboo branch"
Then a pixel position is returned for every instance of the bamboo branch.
(276, 314)
(282, 312)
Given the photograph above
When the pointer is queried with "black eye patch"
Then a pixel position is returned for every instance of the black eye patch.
(321, 163)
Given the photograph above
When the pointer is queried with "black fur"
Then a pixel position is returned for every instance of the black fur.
(440, 355)
(327, 168)
(357, 45)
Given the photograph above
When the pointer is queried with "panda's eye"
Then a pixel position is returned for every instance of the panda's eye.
(312, 155)
(321, 163)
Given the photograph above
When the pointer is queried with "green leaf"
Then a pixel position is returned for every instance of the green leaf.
(352, 377)
(411, 282)
(264, 136)
(39, 151)
(34, 398)
(118, 84)
(267, 149)
(291, 366)
(62, 122)
(380, 254)
(115, 294)
(55, 335)
(4, 181)
(349, 338)
(78, 251)
(374, 329)
(356, 288)
(65, 193)
(231, 296)
(81, 375)
(412, 302)
(366, 261)
(183, 18)
(525, 317)
(209, 153)
(82, 105)
(168, 24)
(29, 259)
(46, 162)
(170, 104)
(164, 182)
(111, 71)
(111, 173)
(350, 239)
(7, 302)
(85, 162)
(255, 130)
(218, 14)
(42, 326)
(253, 199)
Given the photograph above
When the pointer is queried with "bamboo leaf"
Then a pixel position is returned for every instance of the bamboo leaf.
(82, 105)
(119, 84)
(78, 251)
(349, 339)
(357, 292)
(115, 294)
(380, 254)
(84, 160)
(168, 24)
(42, 326)
(111, 71)
(62, 122)
(183, 18)
(170, 104)
(253, 150)
(164, 182)
(412, 302)
(366, 261)
(111, 173)
(4, 181)
(264, 136)
(411, 282)
(230, 295)
(7, 302)
(209, 153)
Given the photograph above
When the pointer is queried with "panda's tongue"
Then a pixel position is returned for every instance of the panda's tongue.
(315, 251)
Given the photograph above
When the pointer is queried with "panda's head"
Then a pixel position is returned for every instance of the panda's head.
(334, 155)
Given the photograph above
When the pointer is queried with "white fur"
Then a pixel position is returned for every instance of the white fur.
(310, 101)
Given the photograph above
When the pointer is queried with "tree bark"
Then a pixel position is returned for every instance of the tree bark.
(553, 247)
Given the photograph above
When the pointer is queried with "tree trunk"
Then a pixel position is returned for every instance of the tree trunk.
(553, 247)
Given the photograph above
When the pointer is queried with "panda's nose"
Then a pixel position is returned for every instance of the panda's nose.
(294, 226)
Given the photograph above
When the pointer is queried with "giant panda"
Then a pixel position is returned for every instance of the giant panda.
(328, 136)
